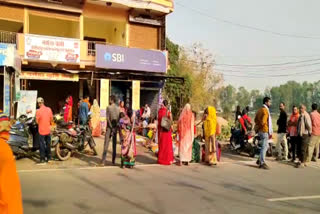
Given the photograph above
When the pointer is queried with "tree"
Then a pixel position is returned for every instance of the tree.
(227, 100)
(195, 64)
(176, 93)
(243, 97)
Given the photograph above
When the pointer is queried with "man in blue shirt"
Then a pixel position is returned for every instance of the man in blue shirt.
(83, 111)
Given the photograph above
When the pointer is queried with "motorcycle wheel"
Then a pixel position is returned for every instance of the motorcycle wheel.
(252, 151)
(62, 153)
(93, 146)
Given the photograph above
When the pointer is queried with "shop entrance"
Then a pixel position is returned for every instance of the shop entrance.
(150, 97)
(54, 93)
(123, 92)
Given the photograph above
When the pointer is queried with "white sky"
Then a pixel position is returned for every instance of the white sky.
(235, 45)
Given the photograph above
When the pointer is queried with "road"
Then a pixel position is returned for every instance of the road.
(233, 187)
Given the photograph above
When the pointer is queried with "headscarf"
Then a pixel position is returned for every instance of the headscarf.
(87, 101)
(95, 109)
(186, 121)
(210, 124)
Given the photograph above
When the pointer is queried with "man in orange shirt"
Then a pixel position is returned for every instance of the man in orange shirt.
(44, 118)
(10, 191)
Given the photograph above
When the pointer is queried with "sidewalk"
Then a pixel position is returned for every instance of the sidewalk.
(85, 159)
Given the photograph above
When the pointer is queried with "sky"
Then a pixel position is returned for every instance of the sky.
(297, 52)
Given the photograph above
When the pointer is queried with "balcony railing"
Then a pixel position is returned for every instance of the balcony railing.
(92, 47)
(8, 37)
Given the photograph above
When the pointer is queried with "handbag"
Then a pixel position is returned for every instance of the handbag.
(166, 122)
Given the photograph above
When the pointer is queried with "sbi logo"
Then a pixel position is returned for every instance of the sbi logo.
(115, 57)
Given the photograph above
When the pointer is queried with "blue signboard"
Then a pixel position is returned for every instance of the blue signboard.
(6, 93)
(122, 58)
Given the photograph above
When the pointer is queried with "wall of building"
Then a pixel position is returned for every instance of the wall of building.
(105, 13)
(105, 23)
(12, 13)
(53, 27)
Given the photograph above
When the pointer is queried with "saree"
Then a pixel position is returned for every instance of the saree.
(10, 190)
(95, 120)
(68, 110)
(196, 151)
(210, 125)
(165, 153)
(186, 134)
(128, 142)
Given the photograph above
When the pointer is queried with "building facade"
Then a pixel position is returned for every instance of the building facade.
(79, 48)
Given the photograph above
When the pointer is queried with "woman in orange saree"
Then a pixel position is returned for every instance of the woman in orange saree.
(186, 134)
(10, 191)
(95, 119)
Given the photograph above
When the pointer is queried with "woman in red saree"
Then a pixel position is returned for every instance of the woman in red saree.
(68, 109)
(165, 154)
(186, 134)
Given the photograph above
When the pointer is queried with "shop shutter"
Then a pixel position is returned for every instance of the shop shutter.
(143, 36)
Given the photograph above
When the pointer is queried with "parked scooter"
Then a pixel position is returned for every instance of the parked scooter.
(20, 137)
(68, 138)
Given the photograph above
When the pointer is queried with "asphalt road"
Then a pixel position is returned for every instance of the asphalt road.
(234, 187)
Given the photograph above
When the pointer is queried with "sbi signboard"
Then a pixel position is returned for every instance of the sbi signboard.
(121, 58)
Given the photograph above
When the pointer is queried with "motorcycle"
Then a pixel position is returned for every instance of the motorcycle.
(20, 136)
(248, 143)
(241, 143)
(68, 138)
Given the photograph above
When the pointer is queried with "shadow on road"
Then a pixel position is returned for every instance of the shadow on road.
(37, 203)
(112, 194)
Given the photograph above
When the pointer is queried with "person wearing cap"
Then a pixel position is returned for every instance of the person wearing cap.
(44, 118)
(10, 190)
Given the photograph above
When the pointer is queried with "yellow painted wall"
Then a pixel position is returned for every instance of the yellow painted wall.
(11, 13)
(53, 27)
(105, 13)
(113, 32)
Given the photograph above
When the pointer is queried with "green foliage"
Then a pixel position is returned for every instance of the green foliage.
(227, 100)
(243, 97)
(225, 133)
(177, 94)
(195, 65)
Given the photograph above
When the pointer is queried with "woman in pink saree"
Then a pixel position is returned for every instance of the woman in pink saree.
(186, 134)
(128, 139)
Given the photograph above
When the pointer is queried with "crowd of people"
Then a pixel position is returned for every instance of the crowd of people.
(301, 132)
(159, 129)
